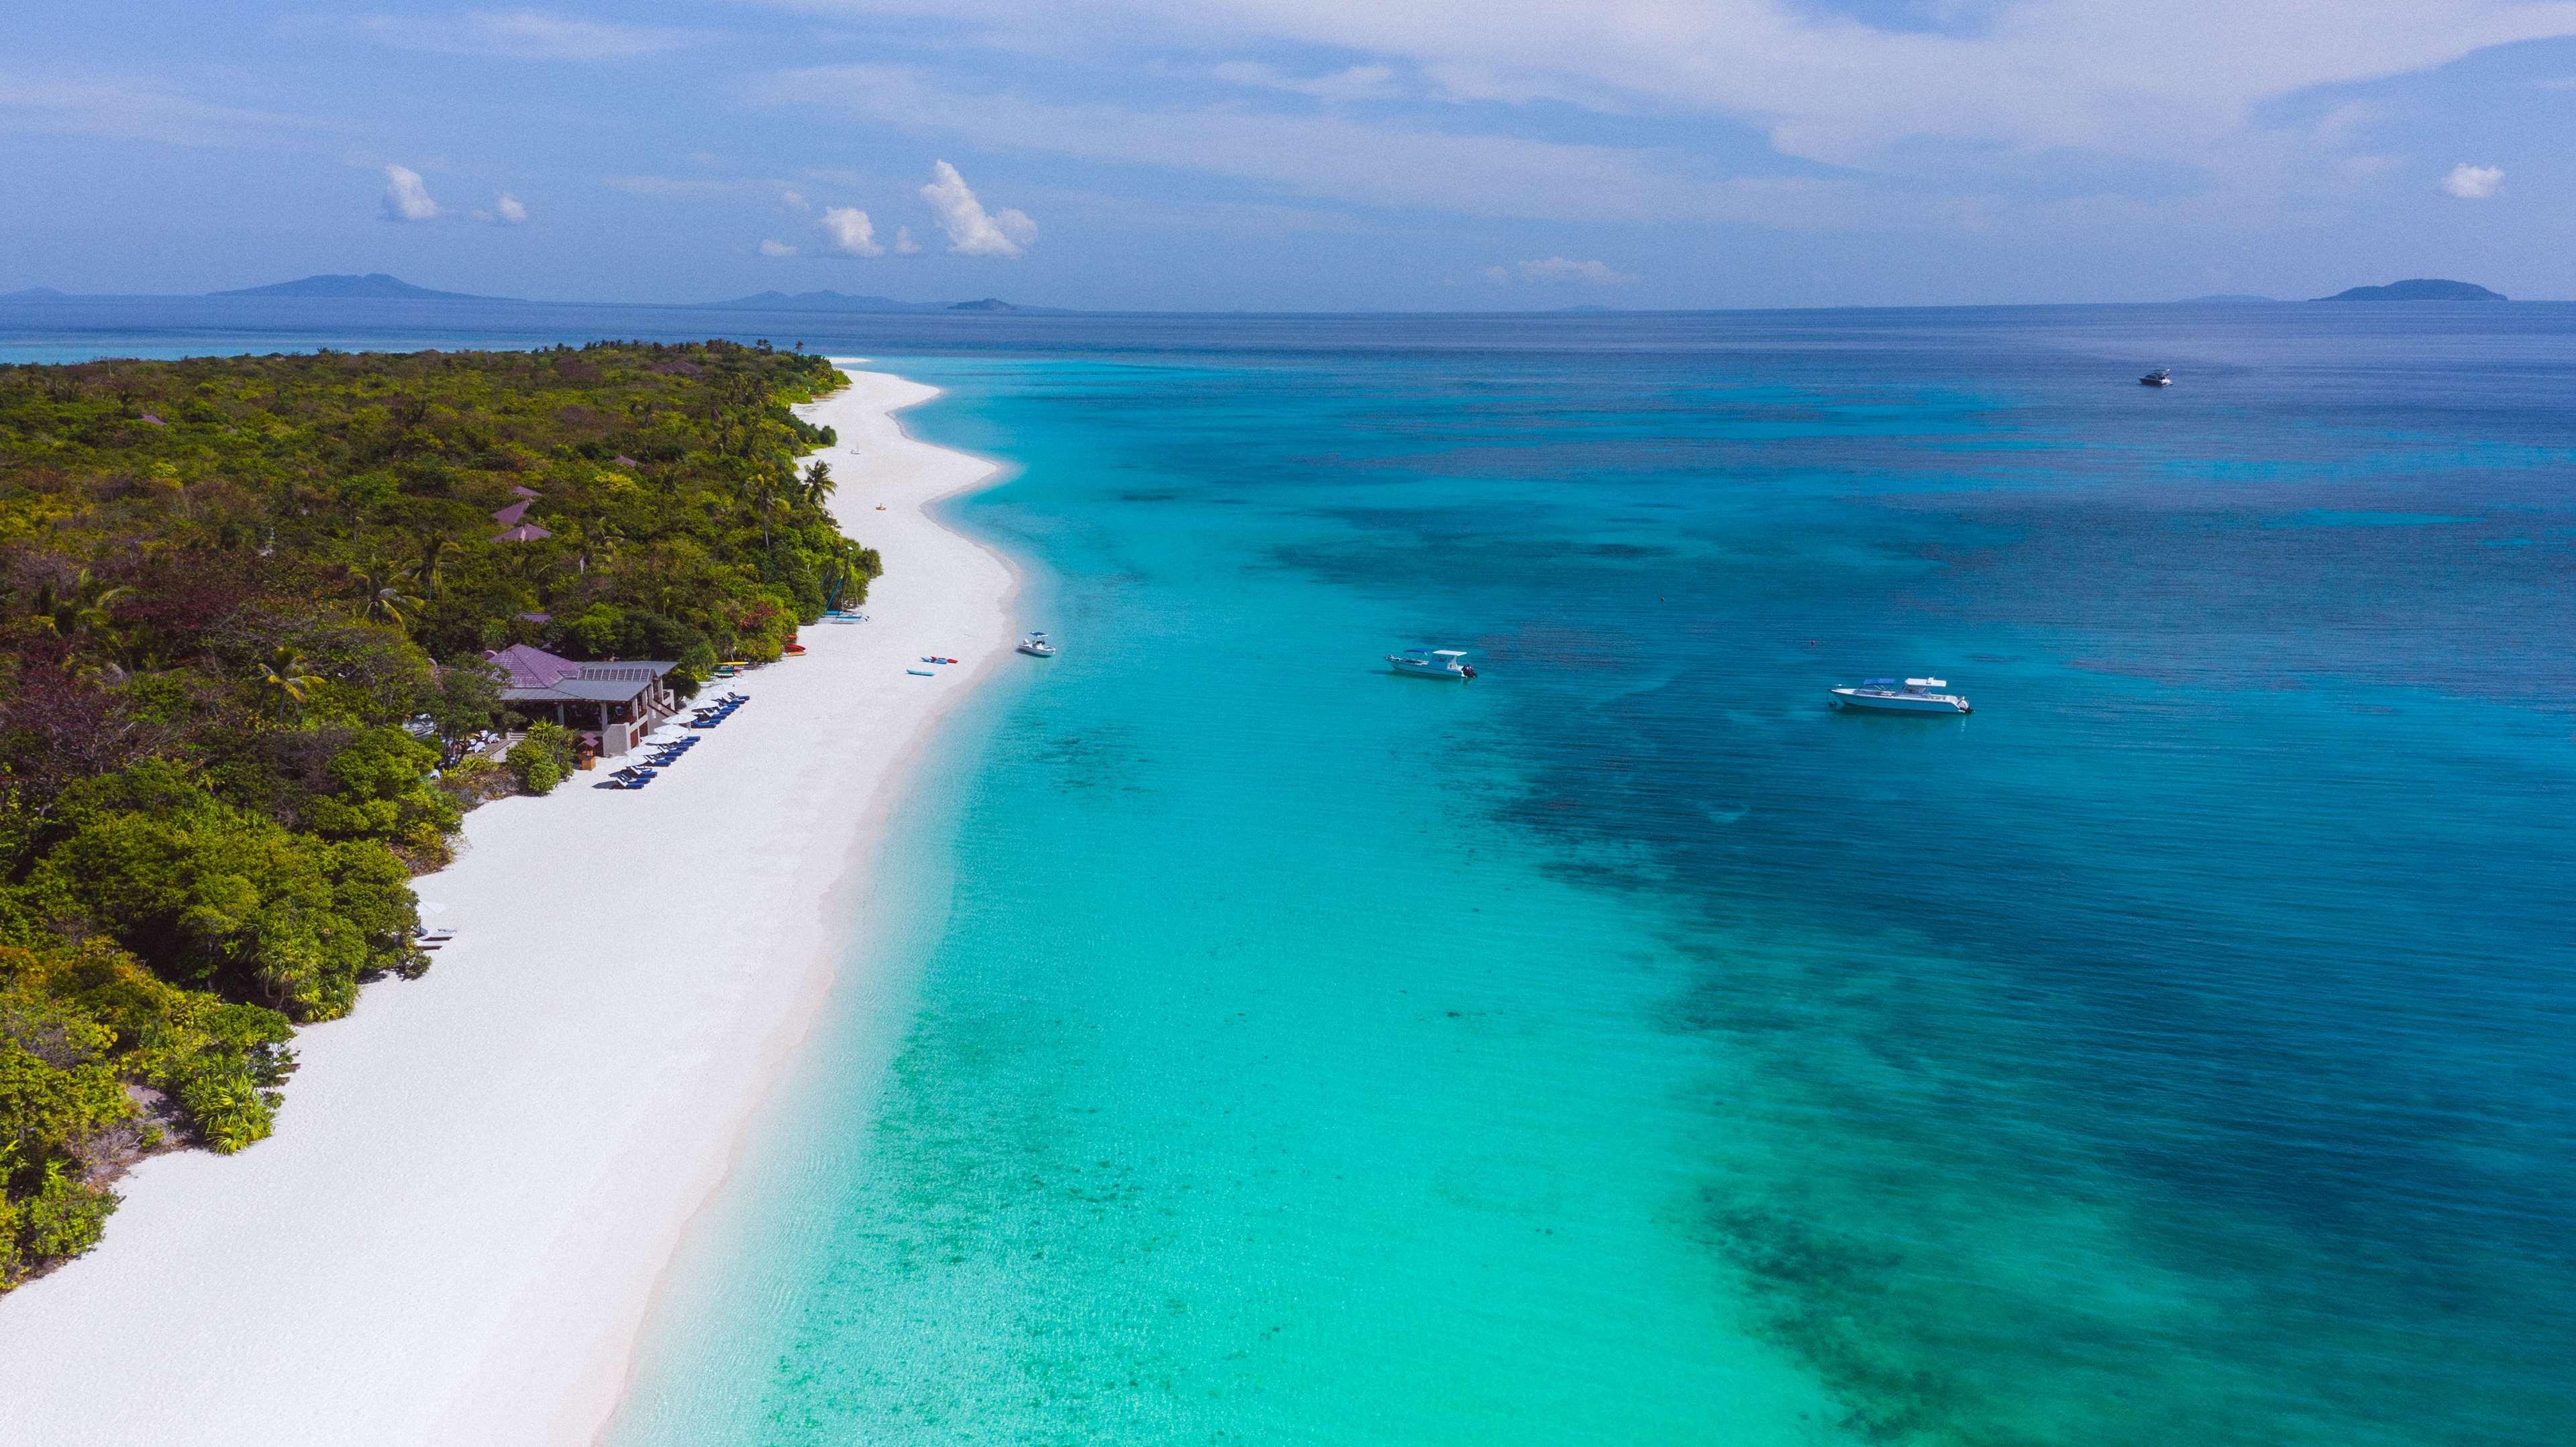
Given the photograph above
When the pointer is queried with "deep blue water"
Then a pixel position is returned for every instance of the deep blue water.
(1622, 1048)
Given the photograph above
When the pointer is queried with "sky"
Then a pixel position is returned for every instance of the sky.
(1297, 154)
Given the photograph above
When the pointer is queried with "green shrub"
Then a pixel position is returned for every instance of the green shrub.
(63, 1217)
(384, 792)
(544, 758)
(214, 895)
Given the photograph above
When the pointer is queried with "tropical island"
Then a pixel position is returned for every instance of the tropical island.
(374, 286)
(245, 605)
(2422, 288)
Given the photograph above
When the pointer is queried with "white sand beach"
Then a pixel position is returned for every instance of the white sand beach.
(479, 1175)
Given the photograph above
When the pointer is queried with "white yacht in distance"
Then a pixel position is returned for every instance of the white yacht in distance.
(1036, 646)
(1914, 695)
(1432, 663)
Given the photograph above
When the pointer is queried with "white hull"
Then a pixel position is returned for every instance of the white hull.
(1896, 703)
(1416, 670)
(1037, 650)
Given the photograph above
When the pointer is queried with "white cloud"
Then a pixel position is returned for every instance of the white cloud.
(851, 232)
(127, 108)
(525, 35)
(1323, 155)
(2141, 80)
(1359, 82)
(904, 245)
(971, 230)
(776, 248)
(1558, 268)
(2473, 183)
(794, 201)
(687, 185)
(507, 210)
(407, 197)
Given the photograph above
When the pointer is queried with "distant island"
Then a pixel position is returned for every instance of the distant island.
(373, 285)
(2422, 288)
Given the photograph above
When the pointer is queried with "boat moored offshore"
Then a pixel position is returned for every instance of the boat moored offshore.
(1432, 663)
(1888, 695)
(1036, 646)
(2160, 377)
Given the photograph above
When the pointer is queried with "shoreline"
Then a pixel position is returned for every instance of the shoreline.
(481, 1178)
(841, 904)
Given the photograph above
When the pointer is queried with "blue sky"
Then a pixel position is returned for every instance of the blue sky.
(1298, 154)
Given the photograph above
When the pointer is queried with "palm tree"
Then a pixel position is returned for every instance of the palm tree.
(435, 550)
(819, 485)
(286, 679)
(600, 540)
(763, 494)
(381, 593)
(81, 608)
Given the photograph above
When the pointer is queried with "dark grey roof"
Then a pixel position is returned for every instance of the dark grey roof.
(596, 683)
(578, 690)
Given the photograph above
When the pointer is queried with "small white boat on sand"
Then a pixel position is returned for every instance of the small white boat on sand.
(1888, 695)
(1432, 663)
(1036, 646)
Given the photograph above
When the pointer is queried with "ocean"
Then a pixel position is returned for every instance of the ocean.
(1621, 1047)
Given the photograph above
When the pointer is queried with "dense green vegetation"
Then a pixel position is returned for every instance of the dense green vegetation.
(242, 607)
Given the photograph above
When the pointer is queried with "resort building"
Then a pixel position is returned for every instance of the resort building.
(615, 702)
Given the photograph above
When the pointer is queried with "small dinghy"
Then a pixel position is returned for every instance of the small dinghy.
(921, 673)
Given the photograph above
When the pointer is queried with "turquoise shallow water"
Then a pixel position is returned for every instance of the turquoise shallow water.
(1621, 1048)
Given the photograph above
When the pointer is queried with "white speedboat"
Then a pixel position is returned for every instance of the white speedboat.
(1888, 695)
(1432, 663)
(1036, 646)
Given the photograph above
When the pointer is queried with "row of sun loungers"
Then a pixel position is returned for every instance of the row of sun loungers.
(658, 757)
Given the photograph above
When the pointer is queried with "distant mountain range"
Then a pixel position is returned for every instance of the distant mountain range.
(375, 285)
(2422, 288)
(378, 286)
